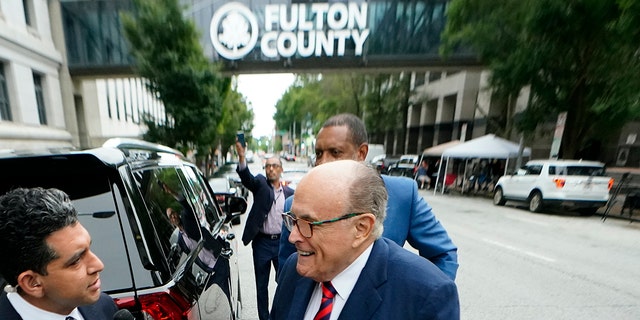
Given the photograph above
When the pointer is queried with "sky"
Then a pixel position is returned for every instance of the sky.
(263, 92)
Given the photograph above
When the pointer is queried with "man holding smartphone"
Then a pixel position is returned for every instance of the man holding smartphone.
(264, 222)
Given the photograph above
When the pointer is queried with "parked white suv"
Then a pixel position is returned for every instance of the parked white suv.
(574, 184)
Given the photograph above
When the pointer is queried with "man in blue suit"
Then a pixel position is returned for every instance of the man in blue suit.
(409, 217)
(264, 222)
(47, 260)
(344, 269)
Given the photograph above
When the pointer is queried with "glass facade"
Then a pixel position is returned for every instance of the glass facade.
(399, 33)
(93, 34)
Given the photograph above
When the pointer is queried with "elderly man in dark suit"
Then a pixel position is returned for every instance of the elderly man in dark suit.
(264, 222)
(344, 269)
(47, 260)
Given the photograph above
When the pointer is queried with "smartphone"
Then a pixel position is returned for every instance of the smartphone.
(240, 136)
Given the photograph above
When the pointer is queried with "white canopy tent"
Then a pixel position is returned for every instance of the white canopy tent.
(486, 147)
(436, 151)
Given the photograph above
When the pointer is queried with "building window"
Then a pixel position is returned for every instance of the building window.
(37, 84)
(28, 12)
(5, 107)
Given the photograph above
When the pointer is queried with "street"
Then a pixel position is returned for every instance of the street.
(519, 265)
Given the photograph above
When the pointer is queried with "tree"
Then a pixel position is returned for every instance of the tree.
(381, 100)
(235, 116)
(168, 54)
(578, 56)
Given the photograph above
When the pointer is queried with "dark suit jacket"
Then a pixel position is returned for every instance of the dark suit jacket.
(394, 284)
(103, 309)
(409, 219)
(262, 201)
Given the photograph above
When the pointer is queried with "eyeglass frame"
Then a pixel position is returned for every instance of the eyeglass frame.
(290, 215)
(272, 165)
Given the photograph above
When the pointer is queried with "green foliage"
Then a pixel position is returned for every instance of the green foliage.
(168, 54)
(579, 56)
(235, 116)
(380, 99)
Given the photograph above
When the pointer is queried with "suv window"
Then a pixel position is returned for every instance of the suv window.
(577, 170)
(97, 213)
(533, 169)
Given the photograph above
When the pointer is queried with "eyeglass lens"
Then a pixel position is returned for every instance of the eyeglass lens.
(303, 227)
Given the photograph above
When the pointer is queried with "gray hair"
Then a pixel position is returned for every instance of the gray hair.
(367, 193)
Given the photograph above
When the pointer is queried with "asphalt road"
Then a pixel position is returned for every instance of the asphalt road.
(518, 265)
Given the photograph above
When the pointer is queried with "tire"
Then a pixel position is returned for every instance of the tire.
(498, 197)
(535, 202)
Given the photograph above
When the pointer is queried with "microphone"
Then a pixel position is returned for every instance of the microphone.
(123, 314)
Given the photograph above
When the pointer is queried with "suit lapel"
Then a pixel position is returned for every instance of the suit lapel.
(365, 299)
(7, 312)
(301, 296)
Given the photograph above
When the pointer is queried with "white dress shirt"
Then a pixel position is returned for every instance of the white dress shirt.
(28, 311)
(343, 283)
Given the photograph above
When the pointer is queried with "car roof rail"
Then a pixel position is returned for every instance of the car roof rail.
(35, 151)
(129, 145)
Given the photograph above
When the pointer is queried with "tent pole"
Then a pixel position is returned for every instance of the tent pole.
(444, 180)
(506, 166)
(464, 177)
(435, 186)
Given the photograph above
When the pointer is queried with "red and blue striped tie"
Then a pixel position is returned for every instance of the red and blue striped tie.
(328, 292)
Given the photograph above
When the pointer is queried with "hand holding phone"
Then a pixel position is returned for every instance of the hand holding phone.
(240, 136)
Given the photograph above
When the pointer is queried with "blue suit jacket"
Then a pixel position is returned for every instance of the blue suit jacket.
(409, 218)
(103, 309)
(394, 284)
(262, 201)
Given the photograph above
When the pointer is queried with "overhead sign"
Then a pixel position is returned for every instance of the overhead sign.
(316, 29)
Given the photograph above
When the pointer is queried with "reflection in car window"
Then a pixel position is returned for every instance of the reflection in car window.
(208, 215)
(164, 193)
(98, 215)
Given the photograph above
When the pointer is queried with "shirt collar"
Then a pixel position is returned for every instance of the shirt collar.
(28, 311)
(346, 280)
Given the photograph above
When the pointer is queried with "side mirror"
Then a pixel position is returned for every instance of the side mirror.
(236, 204)
(521, 172)
(234, 207)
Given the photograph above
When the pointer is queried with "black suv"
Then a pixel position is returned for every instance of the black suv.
(167, 247)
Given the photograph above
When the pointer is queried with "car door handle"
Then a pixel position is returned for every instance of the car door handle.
(201, 278)
(226, 253)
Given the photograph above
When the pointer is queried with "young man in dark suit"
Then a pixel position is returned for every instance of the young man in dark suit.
(344, 268)
(47, 260)
(264, 222)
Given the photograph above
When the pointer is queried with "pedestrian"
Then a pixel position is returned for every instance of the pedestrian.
(422, 175)
(47, 260)
(410, 218)
(264, 222)
(345, 269)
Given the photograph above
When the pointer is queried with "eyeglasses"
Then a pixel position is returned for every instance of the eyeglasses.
(306, 227)
(271, 165)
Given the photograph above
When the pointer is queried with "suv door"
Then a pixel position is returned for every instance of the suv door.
(223, 284)
(188, 228)
(521, 184)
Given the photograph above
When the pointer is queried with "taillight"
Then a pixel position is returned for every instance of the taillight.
(610, 183)
(559, 182)
(166, 305)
